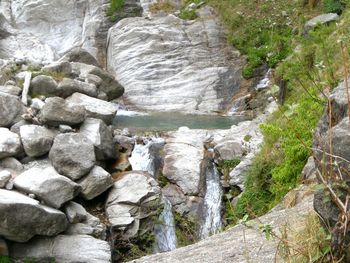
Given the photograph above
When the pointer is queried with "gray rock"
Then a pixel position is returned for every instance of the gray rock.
(95, 108)
(230, 150)
(43, 85)
(69, 86)
(64, 249)
(309, 171)
(95, 183)
(34, 219)
(62, 67)
(198, 81)
(321, 19)
(93, 79)
(3, 248)
(75, 212)
(101, 137)
(133, 198)
(72, 155)
(36, 140)
(16, 127)
(124, 142)
(10, 89)
(10, 143)
(57, 111)
(10, 109)
(65, 129)
(79, 55)
(37, 104)
(47, 185)
(5, 176)
(92, 226)
(11, 163)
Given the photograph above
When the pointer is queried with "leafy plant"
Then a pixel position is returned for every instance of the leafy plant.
(334, 6)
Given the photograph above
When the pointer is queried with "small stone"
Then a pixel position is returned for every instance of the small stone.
(10, 143)
(75, 212)
(65, 128)
(5, 176)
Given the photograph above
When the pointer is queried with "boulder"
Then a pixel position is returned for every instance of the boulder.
(34, 219)
(3, 248)
(134, 197)
(230, 150)
(309, 171)
(11, 165)
(57, 111)
(101, 137)
(11, 90)
(91, 226)
(95, 183)
(37, 104)
(95, 108)
(5, 176)
(75, 212)
(43, 85)
(47, 185)
(72, 155)
(69, 86)
(64, 249)
(321, 19)
(36, 140)
(10, 143)
(189, 60)
(125, 143)
(79, 55)
(10, 109)
(62, 68)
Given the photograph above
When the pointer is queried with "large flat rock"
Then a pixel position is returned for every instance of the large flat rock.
(168, 64)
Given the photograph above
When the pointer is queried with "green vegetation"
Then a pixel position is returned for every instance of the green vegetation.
(186, 230)
(334, 6)
(164, 5)
(114, 7)
(226, 166)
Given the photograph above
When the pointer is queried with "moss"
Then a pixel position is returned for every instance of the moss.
(186, 230)
(164, 5)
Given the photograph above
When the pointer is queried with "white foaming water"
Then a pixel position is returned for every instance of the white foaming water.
(212, 202)
(165, 230)
(265, 82)
(122, 112)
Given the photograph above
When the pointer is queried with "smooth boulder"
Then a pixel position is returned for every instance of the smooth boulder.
(10, 143)
(43, 85)
(47, 185)
(69, 86)
(34, 219)
(10, 109)
(72, 155)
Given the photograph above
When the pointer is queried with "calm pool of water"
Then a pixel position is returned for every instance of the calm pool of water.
(172, 121)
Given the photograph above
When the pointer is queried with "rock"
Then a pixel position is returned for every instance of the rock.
(198, 81)
(134, 197)
(16, 127)
(309, 171)
(62, 67)
(238, 174)
(3, 248)
(184, 153)
(43, 85)
(11, 90)
(101, 137)
(95, 108)
(69, 86)
(12, 164)
(321, 19)
(57, 111)
(37, 104)
(26, 86)
(47, 185)
(231, 245)
(65, 129)
(108, 85)
(75, 212)
(64, 249)
(72, 155)
(79, 55)
(10, 109)
(5, 176)
(95, 183)
(91, 226)
(328, 211)
(10, 143)
(67, 23)
(174, 194)
(230, 150)
(124, 142)
(36, 140)
(34, 219)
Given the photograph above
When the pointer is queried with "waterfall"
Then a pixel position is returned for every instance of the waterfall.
(144, 156)
(265, 82)
(165, 229)
(212, 202)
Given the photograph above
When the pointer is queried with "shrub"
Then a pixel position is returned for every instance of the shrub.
(334, 6)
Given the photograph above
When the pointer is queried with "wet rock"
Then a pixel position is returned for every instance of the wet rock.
(57, 111)
(72, 155)
(10, 143)
(95, 183)
(43, 85)
(133, 198)
(47, 185)
(69, 86)
(75, 212)
(34, 219)
(5, 177)
(125, 143)
(101, 137)
(65, 249)
(95, 108)
(10, 109)
(36, 140)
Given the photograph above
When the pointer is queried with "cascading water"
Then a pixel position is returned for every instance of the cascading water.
(212, 202)
(165, 230)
